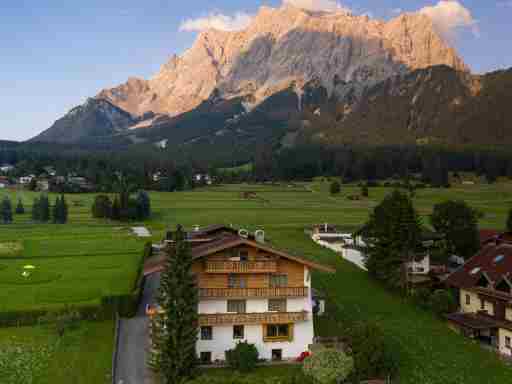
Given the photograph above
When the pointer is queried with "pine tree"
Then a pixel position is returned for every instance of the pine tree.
(6, 211)
(116, 209)
(509, 221)
(143, 205)
(175, 332)
(36, 209)
(20, 209)
(56, 211)
(64, 210)
(392, 234)
(44, 209)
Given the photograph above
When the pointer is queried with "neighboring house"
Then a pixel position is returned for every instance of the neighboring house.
(4, 182)
(50, 171)
(6, 168)
(43, 184)
(249, 291)
(203, 178)
(484, 286)
(25, 180)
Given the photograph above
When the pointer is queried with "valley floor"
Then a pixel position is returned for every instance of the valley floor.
(87, 259)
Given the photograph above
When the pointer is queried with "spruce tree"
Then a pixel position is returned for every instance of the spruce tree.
(509, 221)
(6, 211)
(64, 210)
(36, 209)
(56, 211)
(175, 332)
(116, 209)
(392, 234)
(20, 209)
(143, 205)
(44, 208)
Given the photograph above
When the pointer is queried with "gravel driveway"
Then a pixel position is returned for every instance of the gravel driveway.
(133, 340)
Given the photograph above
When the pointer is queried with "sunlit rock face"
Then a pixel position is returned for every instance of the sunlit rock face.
(285, 47)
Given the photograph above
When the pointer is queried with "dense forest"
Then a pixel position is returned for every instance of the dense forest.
(163, 170)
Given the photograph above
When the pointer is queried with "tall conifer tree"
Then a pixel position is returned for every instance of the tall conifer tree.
(175, 332)
(393, 234)
(6, 211)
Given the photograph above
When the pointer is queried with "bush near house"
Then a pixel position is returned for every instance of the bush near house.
(328, 366)
(243, 357)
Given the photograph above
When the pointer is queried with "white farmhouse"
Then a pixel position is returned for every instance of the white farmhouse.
(250, 292)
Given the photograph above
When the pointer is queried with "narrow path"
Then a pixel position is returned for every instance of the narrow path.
(133, 340)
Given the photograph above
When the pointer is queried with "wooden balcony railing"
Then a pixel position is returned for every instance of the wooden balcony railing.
(213, 293)
(241, 267)
(252, 318)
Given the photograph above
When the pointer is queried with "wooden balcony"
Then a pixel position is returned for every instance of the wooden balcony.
(240, 293)
(241, 267)
(252, 318)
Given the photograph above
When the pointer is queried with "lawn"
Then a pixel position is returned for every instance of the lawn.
(82, 356)
(85, 259)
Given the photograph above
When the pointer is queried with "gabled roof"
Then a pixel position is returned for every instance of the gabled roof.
(235, 241)
(156, 264)
(494, 261)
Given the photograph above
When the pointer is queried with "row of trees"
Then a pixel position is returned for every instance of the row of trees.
(123, 207)
(394, 235)
(43, 212)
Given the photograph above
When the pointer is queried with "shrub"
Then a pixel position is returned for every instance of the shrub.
(63, 321)
(243, 357)
(335, 188)
(373, 354)
(328, 366)
(421, 297)
(442, 301)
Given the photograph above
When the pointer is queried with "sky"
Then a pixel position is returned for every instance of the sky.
(56, 53)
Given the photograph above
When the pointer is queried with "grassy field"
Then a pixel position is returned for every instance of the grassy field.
(85, 259)
(82, 356)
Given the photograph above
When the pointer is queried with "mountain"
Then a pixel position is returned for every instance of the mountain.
(436, 105)
(236, 89)
(286, 46)
(96, 118)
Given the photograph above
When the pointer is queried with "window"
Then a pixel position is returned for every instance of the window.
(507, 342)
(236, 281)
(238, 331)
(468, 300)
(277, 332)
(206, 357)
(206, 333)
(244, 255)
(277, 354)
(236, 306)
(278, 281)
(277, 305)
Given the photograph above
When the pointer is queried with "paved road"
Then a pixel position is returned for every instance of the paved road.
(133, 340)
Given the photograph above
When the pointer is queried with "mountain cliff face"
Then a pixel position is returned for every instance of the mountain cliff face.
(94, 118)
(283, 47)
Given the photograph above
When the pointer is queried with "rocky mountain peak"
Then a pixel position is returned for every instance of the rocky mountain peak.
(287, 46)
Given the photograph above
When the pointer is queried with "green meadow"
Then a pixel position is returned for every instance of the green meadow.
(78, 263)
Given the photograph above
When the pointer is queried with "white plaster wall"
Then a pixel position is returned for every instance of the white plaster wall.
(223, 340)
(223, 335)
(422, 264)
(256, 305)
(502, 333)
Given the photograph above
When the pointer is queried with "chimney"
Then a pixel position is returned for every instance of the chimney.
(259, 235)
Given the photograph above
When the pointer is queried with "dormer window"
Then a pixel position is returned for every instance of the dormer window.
(483, 282)
(504, 286)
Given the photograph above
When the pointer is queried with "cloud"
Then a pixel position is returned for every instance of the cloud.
(450, 17)
(219, 21)
(505, 4)
(318, 5)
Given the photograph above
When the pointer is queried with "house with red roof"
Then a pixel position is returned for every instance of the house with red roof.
(484, 285)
